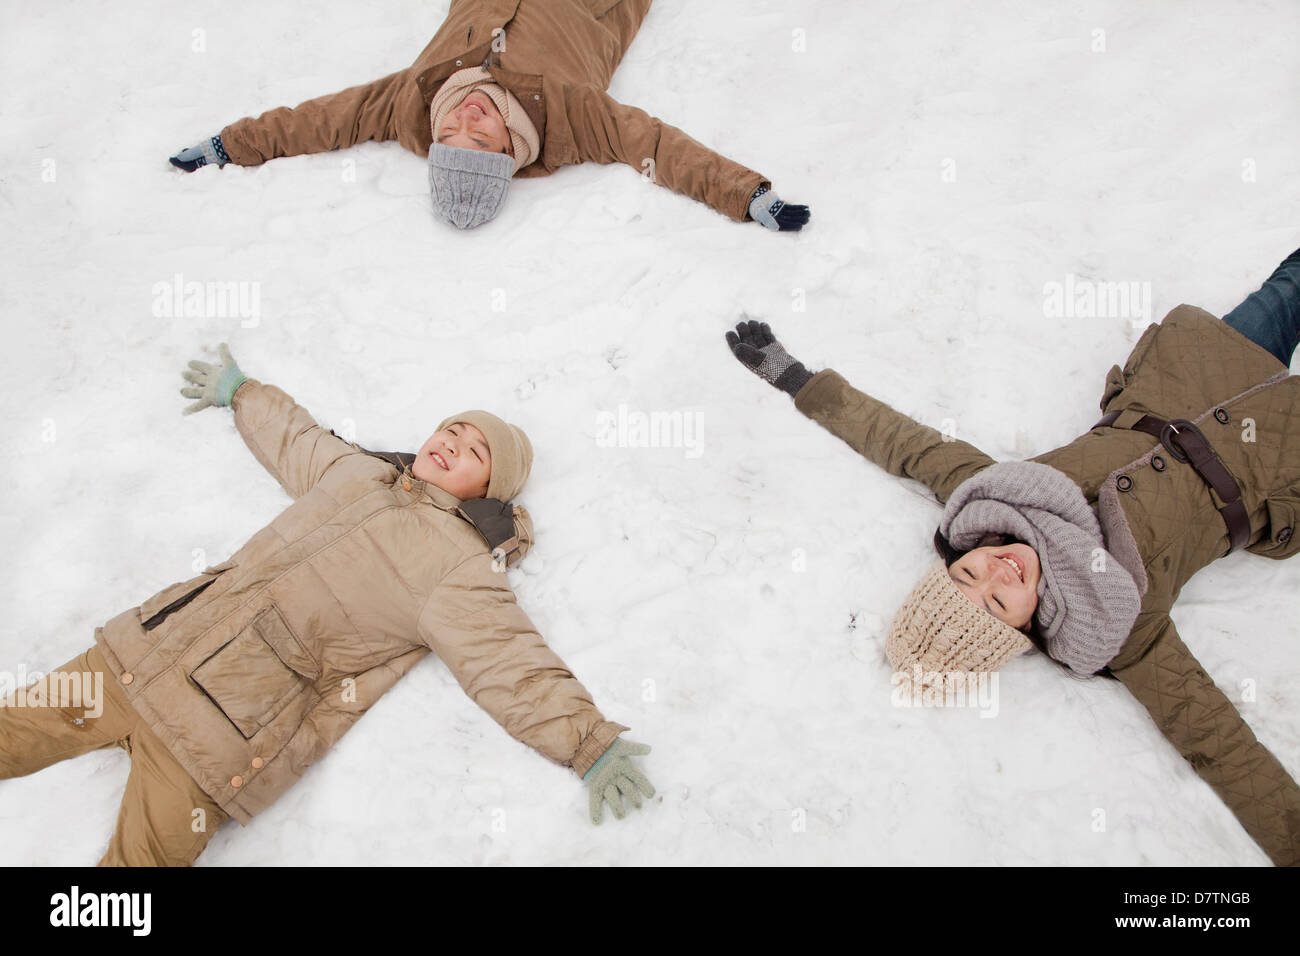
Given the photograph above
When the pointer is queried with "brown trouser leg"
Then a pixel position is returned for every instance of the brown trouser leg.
(157, 824)
(166, 819)
(355, 115)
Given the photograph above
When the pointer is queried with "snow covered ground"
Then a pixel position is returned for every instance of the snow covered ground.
(725, 599)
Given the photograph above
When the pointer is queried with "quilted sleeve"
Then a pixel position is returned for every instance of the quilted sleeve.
(476, 628)
(335, 121)
(606, 131)
(1211, 735)
(284, 437)
(892, 440)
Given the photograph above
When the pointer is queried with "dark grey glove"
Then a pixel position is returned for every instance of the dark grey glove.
(755, 346)
(768, 210)
(210, 152)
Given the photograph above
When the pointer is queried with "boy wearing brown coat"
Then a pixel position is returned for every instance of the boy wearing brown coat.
(508, 88)
(226, 687)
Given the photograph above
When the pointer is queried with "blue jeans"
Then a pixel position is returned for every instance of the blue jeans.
(1271, 317)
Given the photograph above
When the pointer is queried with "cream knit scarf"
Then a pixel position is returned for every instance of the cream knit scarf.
(523, 134)
(1087, 601)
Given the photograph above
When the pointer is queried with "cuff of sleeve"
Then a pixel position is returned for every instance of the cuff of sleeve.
(817, 391)
(738, 204)
(234, 398)
(597, 743)
(232, 141)
(793, 379)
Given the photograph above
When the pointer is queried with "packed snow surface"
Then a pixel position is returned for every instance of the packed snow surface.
(727, 596)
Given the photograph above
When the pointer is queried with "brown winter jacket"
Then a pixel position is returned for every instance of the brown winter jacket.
(557, 58)
(1161, 521)
(250, 671)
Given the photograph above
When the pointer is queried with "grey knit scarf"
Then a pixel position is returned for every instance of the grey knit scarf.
(1087, 601)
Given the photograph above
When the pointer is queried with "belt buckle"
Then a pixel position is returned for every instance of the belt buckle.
(1169, 437)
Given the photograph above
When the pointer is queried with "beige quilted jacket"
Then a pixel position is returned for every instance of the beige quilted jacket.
(250, 671)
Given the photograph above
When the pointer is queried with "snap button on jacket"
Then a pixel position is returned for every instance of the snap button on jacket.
(250, 671)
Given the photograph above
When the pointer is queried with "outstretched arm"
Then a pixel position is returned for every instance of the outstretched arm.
(895, 442)
(472, 622)
(1210, 733)
(281, 434)
(607, 131)
(360, 113)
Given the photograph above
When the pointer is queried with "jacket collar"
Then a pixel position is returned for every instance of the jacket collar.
(443, 499)
(508, 543)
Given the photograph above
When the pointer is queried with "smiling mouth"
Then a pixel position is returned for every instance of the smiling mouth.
(1011, 560)
(439, 460)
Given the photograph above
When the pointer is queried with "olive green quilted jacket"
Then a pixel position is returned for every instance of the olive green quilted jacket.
(1160, 520)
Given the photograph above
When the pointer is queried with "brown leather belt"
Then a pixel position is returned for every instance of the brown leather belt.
(1186, 443)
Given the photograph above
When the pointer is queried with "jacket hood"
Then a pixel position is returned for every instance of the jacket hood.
(486, 515)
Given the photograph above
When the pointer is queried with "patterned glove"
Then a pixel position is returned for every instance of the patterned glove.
(754, 345)
(216, 384)
(614, 774)
(767, 208)
(210, 151)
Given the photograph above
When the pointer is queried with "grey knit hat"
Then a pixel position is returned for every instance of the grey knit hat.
(468, 185)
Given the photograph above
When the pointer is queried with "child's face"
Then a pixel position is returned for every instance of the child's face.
(476, 124)
(456, 460)
(1003, 580)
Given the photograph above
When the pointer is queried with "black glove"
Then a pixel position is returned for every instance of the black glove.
(762, 354)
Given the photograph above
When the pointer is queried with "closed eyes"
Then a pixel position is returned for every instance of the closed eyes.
(480, 143)
(471, 447)
(971, 575)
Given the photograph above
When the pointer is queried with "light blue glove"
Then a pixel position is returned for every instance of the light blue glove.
(215, 384)
(614, 775)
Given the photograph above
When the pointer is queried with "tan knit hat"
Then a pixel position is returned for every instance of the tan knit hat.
(511, 451)
(945, 633)
(524, 140)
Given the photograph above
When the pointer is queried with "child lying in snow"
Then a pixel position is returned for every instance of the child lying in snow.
(1081, 551)
(227, 687)
(512, 87)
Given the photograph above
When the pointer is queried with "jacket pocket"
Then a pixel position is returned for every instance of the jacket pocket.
(1280, 539)
(171, 599)
(254, 676)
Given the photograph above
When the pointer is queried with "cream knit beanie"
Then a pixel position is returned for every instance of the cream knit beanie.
(511, 451)
(945, 633)
(523, 134)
